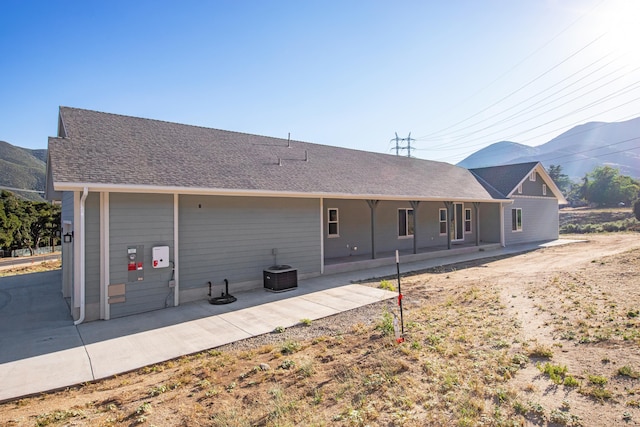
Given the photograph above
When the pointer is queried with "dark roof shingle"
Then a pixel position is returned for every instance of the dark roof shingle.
(114, 150)
(503, 179)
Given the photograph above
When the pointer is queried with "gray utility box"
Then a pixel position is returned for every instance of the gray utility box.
(279, 278)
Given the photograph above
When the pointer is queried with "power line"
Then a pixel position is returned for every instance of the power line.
(544, 45)
(520, 88)
(528, 109)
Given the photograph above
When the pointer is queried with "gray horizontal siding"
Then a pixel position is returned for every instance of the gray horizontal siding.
(66, 214)
(534, 188)
(140, 219)
(232, 238)
(539, 220)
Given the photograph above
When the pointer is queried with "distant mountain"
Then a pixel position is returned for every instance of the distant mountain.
(578, 150)
(21, 168)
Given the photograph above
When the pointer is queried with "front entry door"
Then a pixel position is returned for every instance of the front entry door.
(457, 223)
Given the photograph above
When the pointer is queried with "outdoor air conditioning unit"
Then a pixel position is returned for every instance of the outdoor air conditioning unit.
(279, 278)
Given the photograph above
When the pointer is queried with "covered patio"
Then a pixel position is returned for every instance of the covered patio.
(364, 261)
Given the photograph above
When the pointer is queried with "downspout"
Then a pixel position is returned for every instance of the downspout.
(322, 235)
(85, 193)
(502, 244)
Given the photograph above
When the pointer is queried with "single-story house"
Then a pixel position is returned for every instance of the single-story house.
(152, 211)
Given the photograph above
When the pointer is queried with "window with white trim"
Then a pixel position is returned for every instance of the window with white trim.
(332, 223)
(467, 221)
(516, 219)
(544, 189)
(443, 221)
(405, 222)
(520, 189)
(532, 176)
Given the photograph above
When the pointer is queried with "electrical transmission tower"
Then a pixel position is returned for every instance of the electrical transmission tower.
(407, 147)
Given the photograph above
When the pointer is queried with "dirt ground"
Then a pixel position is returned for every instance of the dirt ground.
(545, 338)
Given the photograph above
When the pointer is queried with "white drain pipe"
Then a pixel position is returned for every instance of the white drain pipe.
(85, 193)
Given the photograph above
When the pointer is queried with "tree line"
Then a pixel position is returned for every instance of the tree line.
(27, 224)
(603, 186)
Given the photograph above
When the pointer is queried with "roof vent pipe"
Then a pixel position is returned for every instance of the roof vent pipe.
(289, 140)
(306, 156)
(279, 161)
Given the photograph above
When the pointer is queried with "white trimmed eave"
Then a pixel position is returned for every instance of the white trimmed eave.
(123, 188)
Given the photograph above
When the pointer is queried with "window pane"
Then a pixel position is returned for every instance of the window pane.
(514, 220)
(333, 214)
(443, 214)
(402, 222)
(443, 228)
(467, 214)
(333, 228)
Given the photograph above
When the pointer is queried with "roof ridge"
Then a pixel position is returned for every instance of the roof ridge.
(61, 107)
(484, 181)
(507, 165)
(181, 124)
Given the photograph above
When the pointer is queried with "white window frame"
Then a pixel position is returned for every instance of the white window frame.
(330, 222)
(442, 220)
(468, 221)
(406, 224)
(544, 189)
(532, 176)
(520, 188)
(516, 221)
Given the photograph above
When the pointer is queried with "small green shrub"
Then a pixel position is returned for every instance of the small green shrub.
(305, 322)
(570, 381)
(556, 373)
(290, 347)
(385, 325)
(597, 379)
(627, 371)
(287, 364)
(389, 286)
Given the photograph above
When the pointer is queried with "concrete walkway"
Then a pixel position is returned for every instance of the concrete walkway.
(41, 349)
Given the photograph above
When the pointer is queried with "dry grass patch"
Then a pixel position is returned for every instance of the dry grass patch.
(453, 369)
(36, 267)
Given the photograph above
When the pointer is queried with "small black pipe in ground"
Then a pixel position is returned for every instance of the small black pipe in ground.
(225, 298)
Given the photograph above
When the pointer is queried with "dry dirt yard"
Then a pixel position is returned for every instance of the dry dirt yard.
(545, 338)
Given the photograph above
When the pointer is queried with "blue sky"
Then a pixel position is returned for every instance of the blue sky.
(458, 75)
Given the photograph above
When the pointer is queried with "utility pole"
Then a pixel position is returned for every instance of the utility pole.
(397, 139)
(406, 147)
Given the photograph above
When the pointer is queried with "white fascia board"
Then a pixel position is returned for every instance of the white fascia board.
(552, 185)
(123, 188)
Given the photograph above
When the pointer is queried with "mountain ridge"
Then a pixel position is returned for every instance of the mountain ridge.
(578, 150)
(24, 169)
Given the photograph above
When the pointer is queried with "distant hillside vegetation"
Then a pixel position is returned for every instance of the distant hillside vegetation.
(578, 150)
(24, 169)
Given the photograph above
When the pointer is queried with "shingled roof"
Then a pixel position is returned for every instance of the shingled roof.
(112, 152)
(504, 178)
